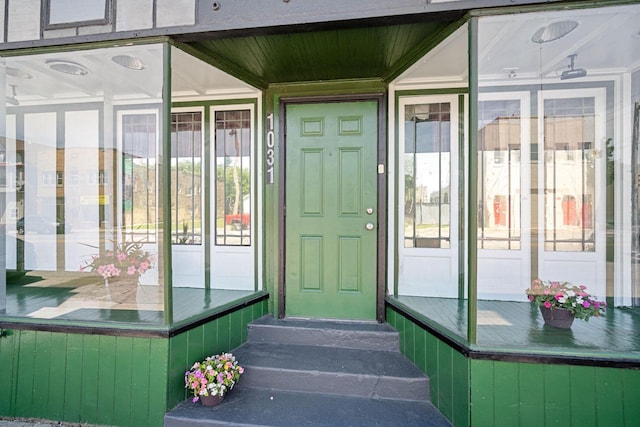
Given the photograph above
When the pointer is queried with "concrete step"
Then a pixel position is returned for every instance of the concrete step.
(319, 373)
(248, 407)
(346, 334)
(331, 370)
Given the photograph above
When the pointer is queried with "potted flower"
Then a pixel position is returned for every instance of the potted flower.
(126, 260)
(561, 302)
(212, 378)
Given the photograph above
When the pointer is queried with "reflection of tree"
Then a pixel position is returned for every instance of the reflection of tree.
(409, 185)
(236, 180)
(408, 194)
(236, 184)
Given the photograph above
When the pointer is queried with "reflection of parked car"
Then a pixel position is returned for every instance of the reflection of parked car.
(238, 221)
(37, 224)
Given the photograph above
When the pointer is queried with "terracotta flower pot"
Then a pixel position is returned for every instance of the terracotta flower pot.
(211, 400)
(557, 317)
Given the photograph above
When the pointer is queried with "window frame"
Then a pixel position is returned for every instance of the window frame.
(47, 25)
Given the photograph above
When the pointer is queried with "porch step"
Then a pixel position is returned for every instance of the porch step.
(331, 370)
(246, 407)
(319, 373)
(363, 335)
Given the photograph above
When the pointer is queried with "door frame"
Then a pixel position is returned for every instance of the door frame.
(381, 251)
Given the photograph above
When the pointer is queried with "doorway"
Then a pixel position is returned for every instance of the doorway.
(331, 205)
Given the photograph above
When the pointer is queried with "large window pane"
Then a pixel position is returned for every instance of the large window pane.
(569, 157)
(233, 178)
(139, 135)
(566, 101)
(427, 165)
(80, 171)
(499, 173)
(186, 174)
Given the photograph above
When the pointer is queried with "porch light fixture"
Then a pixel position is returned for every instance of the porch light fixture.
(67, 67)
(130, 62)
(553, 31)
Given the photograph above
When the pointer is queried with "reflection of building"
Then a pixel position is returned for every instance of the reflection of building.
(419, 165)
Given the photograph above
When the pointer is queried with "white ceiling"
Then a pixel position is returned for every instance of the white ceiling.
(606, 41)
(107, 81)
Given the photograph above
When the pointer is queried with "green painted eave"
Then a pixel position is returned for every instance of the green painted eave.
(339, 54)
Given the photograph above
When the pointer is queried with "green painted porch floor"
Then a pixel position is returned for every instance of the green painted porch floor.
(40, 298)
(518, 326)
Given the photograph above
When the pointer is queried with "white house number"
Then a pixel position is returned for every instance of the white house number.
(270, 154)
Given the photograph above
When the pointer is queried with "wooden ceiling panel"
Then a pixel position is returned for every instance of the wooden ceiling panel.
(353, 53)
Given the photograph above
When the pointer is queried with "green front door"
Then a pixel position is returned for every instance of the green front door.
(331, 217)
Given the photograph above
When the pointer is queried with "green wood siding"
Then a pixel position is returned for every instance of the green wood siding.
(526, 394)
(487, 393)
(448, 370)
(222, 334)
(108, 380)
(83, 378)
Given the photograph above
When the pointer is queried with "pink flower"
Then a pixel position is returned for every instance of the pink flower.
(585, 304)
(547, 304)
(583, 287)
(241, 369)
(530, 297)
(131, 270)
(122, 256)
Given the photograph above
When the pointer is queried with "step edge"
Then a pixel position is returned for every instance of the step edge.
(316, 372)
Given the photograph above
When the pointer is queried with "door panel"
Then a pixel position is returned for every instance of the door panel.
(331, 157)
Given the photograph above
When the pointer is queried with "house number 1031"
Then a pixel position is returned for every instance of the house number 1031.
(270, 154)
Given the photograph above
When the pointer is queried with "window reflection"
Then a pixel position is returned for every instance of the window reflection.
(427, 164)
(80, 172)
(569, 192)
(233, 178)
(139, 177)
(499, 175)
(186, 174)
